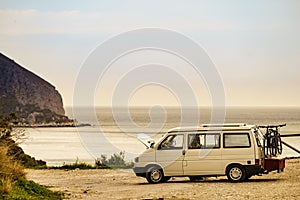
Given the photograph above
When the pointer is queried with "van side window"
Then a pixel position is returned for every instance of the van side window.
(203, 141)
(236, 140)
(172, 142)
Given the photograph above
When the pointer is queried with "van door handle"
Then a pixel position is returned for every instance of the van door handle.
(183, 152)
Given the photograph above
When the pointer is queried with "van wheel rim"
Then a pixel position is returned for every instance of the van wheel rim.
(156, 175)
(236, 173)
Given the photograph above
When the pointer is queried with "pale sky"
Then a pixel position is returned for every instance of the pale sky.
(255, 45)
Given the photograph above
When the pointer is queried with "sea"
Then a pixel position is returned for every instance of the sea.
(115, 130)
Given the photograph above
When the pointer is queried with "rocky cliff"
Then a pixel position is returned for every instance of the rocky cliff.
(33, 99)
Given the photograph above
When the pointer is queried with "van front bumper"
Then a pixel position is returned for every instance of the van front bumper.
(140, 171)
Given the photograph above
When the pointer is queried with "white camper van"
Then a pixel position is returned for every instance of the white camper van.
(235, 150)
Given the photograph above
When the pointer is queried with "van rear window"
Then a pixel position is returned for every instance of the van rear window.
(236, 140)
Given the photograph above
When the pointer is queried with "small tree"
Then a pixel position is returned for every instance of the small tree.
(5, 125)
(9, 139)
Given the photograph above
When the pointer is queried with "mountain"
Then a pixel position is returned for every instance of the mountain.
(34, 100)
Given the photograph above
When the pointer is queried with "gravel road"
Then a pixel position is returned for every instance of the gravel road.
(123, 184)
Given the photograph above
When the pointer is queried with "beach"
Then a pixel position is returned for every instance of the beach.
(123, 184)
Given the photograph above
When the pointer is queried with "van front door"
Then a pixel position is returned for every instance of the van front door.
(170, 155)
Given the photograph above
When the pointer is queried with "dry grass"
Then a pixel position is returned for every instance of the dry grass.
(13, 184)
(10, 170)
(6, 185)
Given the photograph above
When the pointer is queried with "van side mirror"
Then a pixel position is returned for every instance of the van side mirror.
(151, 143)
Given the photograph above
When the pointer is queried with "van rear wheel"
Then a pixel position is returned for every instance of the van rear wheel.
(155, 175)
(236, 173)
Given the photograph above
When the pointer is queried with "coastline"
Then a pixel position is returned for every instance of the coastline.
(54, 125)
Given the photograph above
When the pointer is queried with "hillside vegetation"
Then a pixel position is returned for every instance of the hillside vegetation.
(13, 183)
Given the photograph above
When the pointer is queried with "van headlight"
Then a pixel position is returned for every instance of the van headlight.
(136, 159)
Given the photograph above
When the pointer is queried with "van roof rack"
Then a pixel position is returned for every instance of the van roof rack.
(224, 125)
(204, 127)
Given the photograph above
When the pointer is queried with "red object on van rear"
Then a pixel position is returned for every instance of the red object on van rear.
(272, 164)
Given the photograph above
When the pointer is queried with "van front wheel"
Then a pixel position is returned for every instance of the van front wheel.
(236, 173)
(155, 175)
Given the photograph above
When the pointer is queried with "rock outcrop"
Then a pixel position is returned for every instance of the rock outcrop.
(34, 100)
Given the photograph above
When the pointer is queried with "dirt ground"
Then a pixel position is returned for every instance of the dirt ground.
(123, 184)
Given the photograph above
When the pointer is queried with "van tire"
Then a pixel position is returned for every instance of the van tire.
(155, 175)
(236, 173)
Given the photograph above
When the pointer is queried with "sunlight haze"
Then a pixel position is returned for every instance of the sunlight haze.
(255, 45)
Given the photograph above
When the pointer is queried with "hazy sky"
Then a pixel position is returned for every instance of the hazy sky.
(255, 45)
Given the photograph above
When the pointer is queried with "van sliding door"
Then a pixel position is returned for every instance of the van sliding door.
(203, 155)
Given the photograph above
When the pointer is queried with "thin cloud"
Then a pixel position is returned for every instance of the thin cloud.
(20, 22)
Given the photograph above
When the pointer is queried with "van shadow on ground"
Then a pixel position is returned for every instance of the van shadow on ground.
(219, 180)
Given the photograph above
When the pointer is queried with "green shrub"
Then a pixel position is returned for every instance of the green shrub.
(117, 160)
(76, 165)
(24, 189)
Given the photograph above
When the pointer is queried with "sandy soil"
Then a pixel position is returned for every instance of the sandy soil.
(123, 184)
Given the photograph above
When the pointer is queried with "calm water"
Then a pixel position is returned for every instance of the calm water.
(116, 131)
